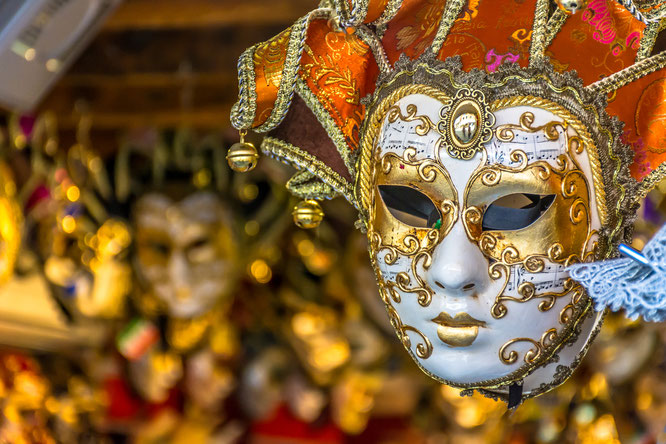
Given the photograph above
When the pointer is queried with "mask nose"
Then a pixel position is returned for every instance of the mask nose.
(458, 267)
(178, 273)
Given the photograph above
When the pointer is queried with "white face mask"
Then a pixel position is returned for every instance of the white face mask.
(471, 254)
(184, 251)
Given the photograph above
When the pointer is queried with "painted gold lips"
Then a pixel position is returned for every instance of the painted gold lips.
(458, 331)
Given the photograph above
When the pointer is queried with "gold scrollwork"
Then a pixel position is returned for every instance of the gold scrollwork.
(394, 113)
(528, 292)
(501, 246)
(567, 312)
(533, 353)
(424, 348)
(422, 289)
(505, 132)
(403, 280)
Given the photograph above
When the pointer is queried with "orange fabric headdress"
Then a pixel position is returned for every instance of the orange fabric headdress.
(305, 86)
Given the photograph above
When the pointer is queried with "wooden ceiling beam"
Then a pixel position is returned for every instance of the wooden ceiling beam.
(170, 50)
(162, 14)
(151, 80)
(206, 118)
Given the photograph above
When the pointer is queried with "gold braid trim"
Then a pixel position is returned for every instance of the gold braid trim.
(650, 181)
(355, 17)
(538, 46)
(655, 15)
(389, 12)
(648, 40)
(451, 11)
(289, 72)
(302, 160)
(325, 119)
(244, 110)
(371, 39)
(306, 185)
(372, 128)
(592, 151)
(555, 23)
(628, 75)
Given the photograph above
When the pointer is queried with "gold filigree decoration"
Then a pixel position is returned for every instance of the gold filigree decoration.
(372, 127)
(422, 129)
(528, 292)
(470, 103)
(583, 134)
(572, 187)
(417, 252)
(505, 132)
(533, 354)
(423, 348)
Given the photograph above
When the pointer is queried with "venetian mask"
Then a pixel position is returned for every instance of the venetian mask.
(184, 251)
(484, 160)
(471, 248)
(475, 209)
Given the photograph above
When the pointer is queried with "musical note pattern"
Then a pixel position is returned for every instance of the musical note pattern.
(398, 135)
(551, 279)
(536, 145)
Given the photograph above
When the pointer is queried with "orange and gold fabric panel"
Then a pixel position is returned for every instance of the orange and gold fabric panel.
(489, 33)
(339, 68)
(597, 42)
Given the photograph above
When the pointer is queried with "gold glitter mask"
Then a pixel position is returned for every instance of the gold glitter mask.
(185, 251)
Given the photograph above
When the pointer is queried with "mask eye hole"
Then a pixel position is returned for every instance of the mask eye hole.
(410, 206)
(516, 211)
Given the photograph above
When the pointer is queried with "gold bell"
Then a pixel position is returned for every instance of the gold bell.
(308, 214)
(242, 156)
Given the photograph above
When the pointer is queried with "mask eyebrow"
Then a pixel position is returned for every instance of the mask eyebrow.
(513, 213)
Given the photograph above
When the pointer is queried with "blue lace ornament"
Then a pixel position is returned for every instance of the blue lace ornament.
(636, 283)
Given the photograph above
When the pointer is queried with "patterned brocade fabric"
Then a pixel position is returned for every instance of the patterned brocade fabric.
(601, 40)
(491, 33)
(339, 69)
(269, 59)
(413, 29)
(641, 105)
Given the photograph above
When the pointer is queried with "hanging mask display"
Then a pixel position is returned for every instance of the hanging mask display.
(183, 210)
(184, 250)
(185, 245)
(11, 221)
(483, 147)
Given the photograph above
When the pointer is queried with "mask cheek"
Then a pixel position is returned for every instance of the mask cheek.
(405, 313)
